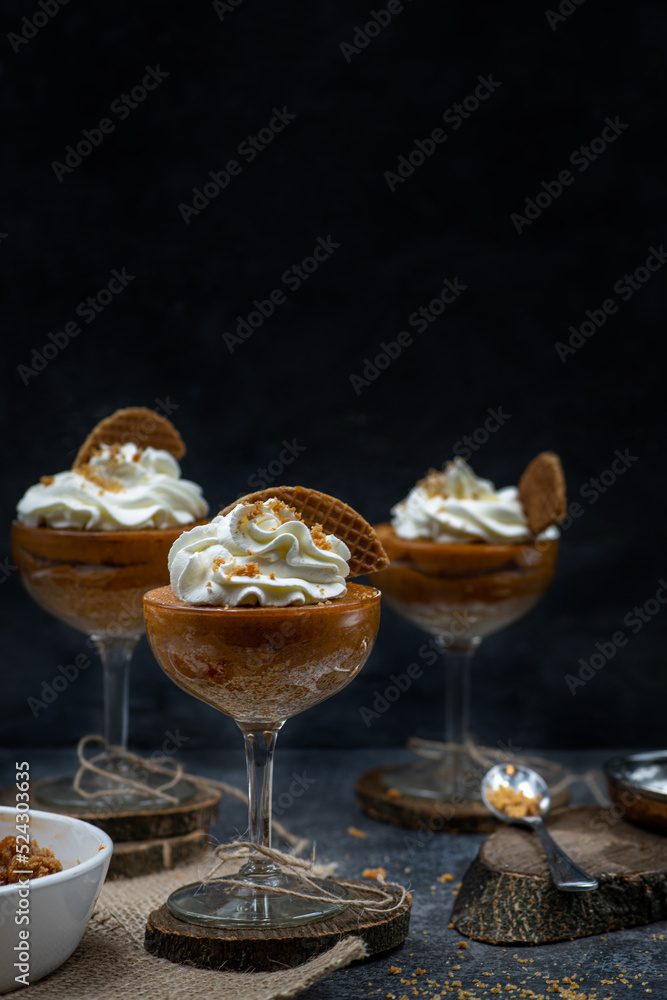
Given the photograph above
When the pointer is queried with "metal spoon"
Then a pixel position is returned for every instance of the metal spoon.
(567, 876)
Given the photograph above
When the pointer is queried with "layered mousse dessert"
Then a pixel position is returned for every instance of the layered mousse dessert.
(90, 541)
(467, 559)
(259, 620)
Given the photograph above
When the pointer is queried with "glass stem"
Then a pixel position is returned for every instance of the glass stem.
(457, 662)
(115, 654)
(260, 744)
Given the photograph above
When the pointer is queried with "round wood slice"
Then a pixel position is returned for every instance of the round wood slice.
(135, 857)
(198, 813)
(507, 896)
(245, 949)
(384, 804)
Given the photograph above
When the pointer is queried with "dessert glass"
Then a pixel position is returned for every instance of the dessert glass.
(260, 666)
(459, 594)
(95, 581)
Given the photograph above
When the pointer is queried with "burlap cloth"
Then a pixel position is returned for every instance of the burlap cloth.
(111, 964)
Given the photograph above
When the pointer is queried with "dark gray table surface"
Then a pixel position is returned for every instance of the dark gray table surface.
(608, 966)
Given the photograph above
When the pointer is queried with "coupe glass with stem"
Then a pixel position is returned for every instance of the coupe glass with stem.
(260, 666)
(459, 594)
(95, 581)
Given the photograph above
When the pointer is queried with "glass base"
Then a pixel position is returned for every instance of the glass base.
(104, 795)
(454, 777)
(220, 904)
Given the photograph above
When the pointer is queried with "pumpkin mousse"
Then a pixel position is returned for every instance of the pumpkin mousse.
(464, 560)
(90, 541)
(259, 620)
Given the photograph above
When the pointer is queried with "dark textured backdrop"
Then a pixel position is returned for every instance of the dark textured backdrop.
(361, 98)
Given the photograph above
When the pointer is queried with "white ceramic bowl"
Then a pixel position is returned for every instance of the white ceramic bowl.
(60, 905)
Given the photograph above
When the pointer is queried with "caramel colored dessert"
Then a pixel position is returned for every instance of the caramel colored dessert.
(261, 665)
(93, 580)
(513, 803)
(38, 862)
(470, 590)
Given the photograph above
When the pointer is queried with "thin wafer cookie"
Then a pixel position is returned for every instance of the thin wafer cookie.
(543, 493)
(336, 518)
(137, 424)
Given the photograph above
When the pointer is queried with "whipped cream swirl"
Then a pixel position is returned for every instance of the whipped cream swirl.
(121, 488)
(455, 505)
(260, 554)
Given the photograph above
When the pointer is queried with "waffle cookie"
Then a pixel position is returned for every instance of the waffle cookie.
(542, 492)
(136, 424)
(335, 517)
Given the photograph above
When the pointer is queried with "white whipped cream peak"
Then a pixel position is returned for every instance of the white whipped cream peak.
(455, 505)
(259, 553)
(121, 488)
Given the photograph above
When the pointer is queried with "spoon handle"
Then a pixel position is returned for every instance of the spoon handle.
(567, 876)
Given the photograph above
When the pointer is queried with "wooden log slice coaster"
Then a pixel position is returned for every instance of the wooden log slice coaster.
(389, 806)
(507, 896)
(144, 857)
(246, 949)
(197, 813)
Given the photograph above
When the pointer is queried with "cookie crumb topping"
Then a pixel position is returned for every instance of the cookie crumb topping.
(319, 537)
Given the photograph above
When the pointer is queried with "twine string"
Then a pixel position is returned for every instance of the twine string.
(377, 899)
(488, 756)
(175, 772)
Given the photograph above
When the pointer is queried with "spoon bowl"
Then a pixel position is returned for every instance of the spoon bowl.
(532, 804)
(522, 780)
